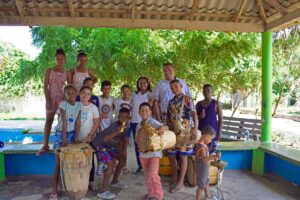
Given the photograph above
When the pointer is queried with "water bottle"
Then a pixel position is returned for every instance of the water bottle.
(247, 135)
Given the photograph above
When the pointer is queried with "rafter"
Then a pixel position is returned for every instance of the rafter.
(71, 8)
(243, 3)
(288, 19)
(282, 10)
(261, 10)
(133, 7)
(19, 5)
(194, 8)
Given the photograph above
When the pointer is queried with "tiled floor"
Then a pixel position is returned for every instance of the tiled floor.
(236, 185)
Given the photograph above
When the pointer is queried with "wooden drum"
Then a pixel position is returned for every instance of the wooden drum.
(75, 166)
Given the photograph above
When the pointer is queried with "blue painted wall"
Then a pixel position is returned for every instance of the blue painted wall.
(238, 160)
(29, 164)
(283, 168)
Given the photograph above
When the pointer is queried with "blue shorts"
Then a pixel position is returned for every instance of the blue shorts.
(176, 151)
(212, 147)
(59, 138)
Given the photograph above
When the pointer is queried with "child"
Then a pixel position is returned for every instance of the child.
(124, 101)
(111, 145)
(181, 109)
(90, 83)
(89, 123)
(55, 79)
(106, 105)
(207, 111)
(77, 75)
(65, 129)
(202, 162)
(150, 160)
(143, 94)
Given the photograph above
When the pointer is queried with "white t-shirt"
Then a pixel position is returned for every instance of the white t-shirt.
(136, 100)
(163, 93)
(88, 114)
(120, 103)
(106, 106)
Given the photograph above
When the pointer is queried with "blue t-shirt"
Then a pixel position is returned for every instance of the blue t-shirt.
(71, 114)
(94, 100)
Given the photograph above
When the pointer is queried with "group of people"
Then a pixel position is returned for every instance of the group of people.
(106, 124)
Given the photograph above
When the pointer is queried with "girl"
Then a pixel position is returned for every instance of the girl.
(143, 94)
(202, 162)
(124, 101)
(65, 129)
(150, 160)
(54, 81)
(77, 75)
(89, 123)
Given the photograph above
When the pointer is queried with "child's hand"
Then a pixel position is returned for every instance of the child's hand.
(193, 133)
(103, 116)
(161, 130)
(76, 141)
(202, 114)
(218, 155)
(88, 138)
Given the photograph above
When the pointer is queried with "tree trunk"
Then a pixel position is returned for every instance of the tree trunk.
(278, 101)
(235, 109)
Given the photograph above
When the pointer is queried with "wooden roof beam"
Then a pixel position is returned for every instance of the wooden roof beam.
(292, 18)
(133, 8)
(261, 10)
(282, 10)
(20, 7)
(242, 5)
(71, 8)
(194, 8)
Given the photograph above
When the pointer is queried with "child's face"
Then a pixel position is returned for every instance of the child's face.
(89, 84)
(208, 138)
(207, 92)
(106, 90)
(123, 117)
(143, 85)
(176, 88)
(70, 95)
(60, 60)
(85, 95)
(145, 112)
(82, 60)
(126, 93)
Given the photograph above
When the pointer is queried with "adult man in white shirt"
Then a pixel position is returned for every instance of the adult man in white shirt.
(162, 92)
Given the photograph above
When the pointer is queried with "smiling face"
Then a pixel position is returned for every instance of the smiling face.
(123, 117)
(85, 95)
(145, 112)
(60, 60)
(126, 93)
(89, 84)
(169, 72)
(207, 138)
(143, 84)
(82, 60)
(70, 95)
(106, 90)
(176, 88)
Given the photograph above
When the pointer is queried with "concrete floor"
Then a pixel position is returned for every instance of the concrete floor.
(236, 185)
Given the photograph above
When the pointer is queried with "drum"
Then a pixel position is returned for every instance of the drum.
(184, 139)
(213, 175)
(75, 166)
(151, 140)
(190, 172)
(165, 168)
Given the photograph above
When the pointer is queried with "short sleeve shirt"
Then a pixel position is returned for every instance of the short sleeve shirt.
(106, 106)
(98, 140)
(94, 99)
(71, 114)
(88, 114)
(162, 93)
(175, 105)
(120, 103)
(136, 100)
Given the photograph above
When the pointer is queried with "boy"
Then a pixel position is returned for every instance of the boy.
(106, 105)
(202, 160)
(111, 145)
(207, 111)
(180, 110)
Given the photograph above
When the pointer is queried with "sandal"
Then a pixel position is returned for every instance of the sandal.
(42, 151)
(176, 189)
(125, 171)
(53, 196)
(145, 197)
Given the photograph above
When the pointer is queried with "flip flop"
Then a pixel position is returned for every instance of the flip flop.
(125, 171)
(42, 151)
(176, 189)
(53, 196)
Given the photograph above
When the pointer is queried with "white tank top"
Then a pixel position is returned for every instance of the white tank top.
(78, 79)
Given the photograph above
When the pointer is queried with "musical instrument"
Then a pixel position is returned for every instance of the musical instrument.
(149, 139)
(75, 166)
(165, 168)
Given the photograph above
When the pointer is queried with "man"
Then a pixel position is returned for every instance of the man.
(162, 92)
(209, 112)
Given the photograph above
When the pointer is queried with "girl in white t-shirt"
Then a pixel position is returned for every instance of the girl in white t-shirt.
(143, 94)
(89, 123)
(124, 101)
